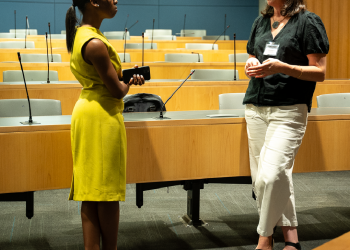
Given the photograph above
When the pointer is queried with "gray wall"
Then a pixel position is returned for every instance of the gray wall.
(201, 14)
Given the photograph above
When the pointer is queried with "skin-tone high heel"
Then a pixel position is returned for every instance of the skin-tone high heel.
(272, 240)
(295, 245)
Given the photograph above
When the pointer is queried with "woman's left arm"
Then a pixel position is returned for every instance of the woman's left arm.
(316, 71)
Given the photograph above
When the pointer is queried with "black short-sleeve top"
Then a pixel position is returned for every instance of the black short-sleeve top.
(303, 34)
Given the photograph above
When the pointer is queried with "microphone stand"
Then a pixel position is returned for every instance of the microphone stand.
(234, 52)
(225, 30)
(126, 31)
(50, 43)
(48, 65)
(25, 37)
(133, 25)
(220, 36)
(161, 117)
(127, 17)
(15, 26)
(30, 121)
(143, 47)
(184, 26)
(152, 35)
(199, 58)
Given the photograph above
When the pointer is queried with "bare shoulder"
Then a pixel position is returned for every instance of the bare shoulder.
(94, 50)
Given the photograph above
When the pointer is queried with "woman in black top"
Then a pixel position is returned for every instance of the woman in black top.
(287, 54)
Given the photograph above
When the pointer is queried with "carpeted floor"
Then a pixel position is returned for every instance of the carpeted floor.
(321, 200)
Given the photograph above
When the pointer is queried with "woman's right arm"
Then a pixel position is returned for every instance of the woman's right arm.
(252, 61)
(96, 53)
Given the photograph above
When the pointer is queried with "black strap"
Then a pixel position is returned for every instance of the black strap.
(296, 245)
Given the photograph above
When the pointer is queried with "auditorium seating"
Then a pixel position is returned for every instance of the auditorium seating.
(33, 32)
(240, 57)
(39, 107)
(12, 35)
(57, 36)
(158, 32)
(118, 35)
(17, 45)
(40, 58)
(214, 74)
(165, 37)
(202, 46)
(231, 101)
(216, 37)
(193, 33)
(182, 57)
(30, 75)
(127, 57)
(139, 46)
(333, 100)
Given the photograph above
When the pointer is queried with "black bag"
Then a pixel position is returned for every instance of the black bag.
(142, 102)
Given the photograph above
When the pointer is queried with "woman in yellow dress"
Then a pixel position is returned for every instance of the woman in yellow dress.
(97, 132)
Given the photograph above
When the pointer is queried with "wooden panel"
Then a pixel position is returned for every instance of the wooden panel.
(192, 95)
(334, 15)
(158, 70)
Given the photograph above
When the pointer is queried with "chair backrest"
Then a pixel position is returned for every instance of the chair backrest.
(231, 101)
(12, 35)
(143, 102)
(40, 58)
(63, 32)
(214, 74)
(118, 35)
(240, 57)
(57, 36)
(30, 75)
(202, 46)
(158, 32)
(182, 57)
(162, 37)
(216, 37)
(333, 100)
(127, 57)
(193, 33)
(33, 32)
(16, 45)
(139, 46)
(39, 107)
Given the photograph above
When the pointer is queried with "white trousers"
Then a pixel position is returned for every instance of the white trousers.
(274, 136)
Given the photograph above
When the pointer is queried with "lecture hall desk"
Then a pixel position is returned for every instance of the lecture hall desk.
(193, 95)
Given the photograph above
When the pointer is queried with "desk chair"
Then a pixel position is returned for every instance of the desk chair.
(182, 57)
(127, 57)
(30, 75)
(214, 74)
(216, 37)
(193, 33)
(19, 107)
(333, 100)
(169, 37)
(201, 46)
(33, 32)
(240, 57)
(57, 36)
(158, 32)
(12, 35)
(231, 101)
(139, 45)
(40, 58)
(16, 45)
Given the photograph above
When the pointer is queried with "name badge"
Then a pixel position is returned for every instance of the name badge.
(271, 49)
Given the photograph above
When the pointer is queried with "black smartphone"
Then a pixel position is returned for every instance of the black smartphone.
(144, 71)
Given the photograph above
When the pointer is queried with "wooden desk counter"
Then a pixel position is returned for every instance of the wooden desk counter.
(188, 146)
(193, 95)
(158, 70)
(157, 55)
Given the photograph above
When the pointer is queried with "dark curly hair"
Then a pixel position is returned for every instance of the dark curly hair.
(290, 8)
(72, 20)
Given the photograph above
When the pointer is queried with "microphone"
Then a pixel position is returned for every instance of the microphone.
(48, 65)
(224, 27)
(234, 52)
(220, 35)
(184, 26)
(127, 17)
(161, 117)
(152, 34)
(15, 24)
(143, 47)
(50, 42)
(126, 31)
(28, 26)
(133, 25)
(30, 121)
(199, 58)
(25, 37)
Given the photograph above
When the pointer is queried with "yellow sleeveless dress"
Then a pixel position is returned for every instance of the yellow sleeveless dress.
(98, 133)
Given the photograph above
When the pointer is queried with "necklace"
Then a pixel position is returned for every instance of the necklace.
(276, 23)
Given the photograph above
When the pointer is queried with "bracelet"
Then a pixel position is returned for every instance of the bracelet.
(301, 71)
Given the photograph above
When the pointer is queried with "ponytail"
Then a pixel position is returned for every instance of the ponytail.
(71, 21)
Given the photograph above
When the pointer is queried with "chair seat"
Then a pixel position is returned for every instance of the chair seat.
(39, 107)
(30, 75)
(215, 74)
(333, 100)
